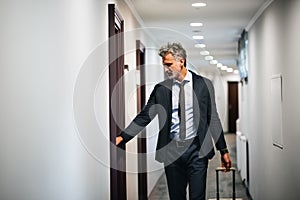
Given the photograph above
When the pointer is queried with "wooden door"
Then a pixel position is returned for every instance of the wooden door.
(233, 106)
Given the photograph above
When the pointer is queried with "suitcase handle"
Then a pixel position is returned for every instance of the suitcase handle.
(232, 169)
(223, 169)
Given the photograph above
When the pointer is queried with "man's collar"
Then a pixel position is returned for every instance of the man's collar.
(188, 78)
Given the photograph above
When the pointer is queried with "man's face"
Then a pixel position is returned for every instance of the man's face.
(173, 68)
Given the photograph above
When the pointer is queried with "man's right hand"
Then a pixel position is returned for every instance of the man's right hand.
(119, 139)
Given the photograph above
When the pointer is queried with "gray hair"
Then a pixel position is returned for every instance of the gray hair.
(175, 49)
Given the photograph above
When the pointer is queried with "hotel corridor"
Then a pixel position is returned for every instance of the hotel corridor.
(73, 74)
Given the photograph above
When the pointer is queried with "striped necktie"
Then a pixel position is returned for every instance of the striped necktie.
(181, 112)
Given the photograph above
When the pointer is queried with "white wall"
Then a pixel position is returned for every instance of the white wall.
(221, 92)
(43, 46)
(155, 74)
(220, 82)
(54, 98)
(273, 49)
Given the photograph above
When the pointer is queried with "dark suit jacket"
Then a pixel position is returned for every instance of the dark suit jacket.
(206, 119)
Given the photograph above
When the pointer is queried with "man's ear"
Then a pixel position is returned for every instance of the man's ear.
(182, 61)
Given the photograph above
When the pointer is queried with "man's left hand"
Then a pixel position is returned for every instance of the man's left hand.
(226, 162)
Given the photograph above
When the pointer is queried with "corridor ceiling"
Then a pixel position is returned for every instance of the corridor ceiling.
(223, 22)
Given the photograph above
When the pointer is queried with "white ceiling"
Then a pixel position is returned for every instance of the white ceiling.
(223, 22)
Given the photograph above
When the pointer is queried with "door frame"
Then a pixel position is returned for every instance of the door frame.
(116, 103)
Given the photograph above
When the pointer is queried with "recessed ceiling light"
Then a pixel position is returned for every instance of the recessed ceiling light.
(219, 65)
(204, 53)
(198, 37)
(200, 45)
(236, 71)
(224, 67)
(209, 58)
(196, 24)
(197, 5)
(229, 70)
(213, 62)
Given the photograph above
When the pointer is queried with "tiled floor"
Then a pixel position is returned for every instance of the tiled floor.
(160, 192)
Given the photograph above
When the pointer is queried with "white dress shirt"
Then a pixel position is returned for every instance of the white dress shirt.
(175, 123)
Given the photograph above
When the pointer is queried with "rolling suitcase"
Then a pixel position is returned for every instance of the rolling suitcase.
(232, 169)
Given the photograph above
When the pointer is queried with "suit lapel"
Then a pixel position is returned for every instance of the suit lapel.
(169, 100)
(197, 96)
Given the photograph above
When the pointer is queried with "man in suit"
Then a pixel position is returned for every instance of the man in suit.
(188, 121)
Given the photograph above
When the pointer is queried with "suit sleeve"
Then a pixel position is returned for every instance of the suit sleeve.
(214, 123)
(142, 119)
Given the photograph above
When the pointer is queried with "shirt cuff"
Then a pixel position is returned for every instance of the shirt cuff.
(223, 151)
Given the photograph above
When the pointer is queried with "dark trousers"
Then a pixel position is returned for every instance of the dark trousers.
(186, 168)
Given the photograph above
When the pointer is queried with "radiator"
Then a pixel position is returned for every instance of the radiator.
(242, 156)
